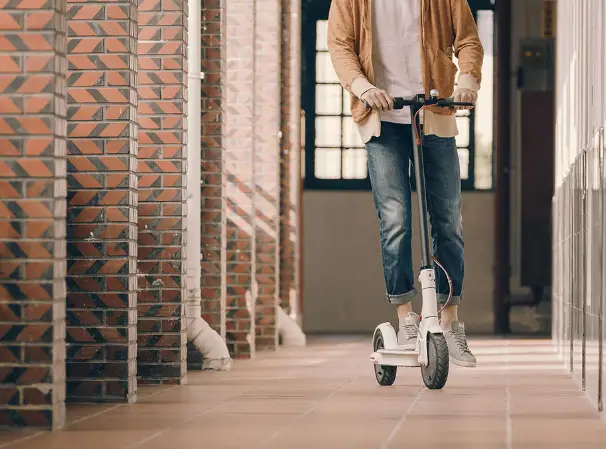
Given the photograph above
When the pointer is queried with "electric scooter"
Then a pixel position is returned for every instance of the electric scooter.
(431, 353)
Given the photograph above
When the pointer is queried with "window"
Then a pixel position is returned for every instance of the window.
(334, 155)
(483, 112)
(338, 151)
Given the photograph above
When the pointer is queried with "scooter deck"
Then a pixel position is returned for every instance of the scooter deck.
(396, 357)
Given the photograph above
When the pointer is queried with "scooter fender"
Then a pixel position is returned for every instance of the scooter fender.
(390, 338)
(435, 329)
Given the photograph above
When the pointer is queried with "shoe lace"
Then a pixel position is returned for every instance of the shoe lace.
(460, 339)
(411, 330)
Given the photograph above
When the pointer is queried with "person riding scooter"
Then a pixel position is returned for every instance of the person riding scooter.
(381, 49)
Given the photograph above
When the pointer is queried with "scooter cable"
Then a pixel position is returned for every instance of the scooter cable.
(449, 284)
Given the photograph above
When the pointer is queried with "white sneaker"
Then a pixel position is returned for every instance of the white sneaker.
(459, 352)
(409, 332)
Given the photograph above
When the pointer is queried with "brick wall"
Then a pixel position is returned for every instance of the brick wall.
(102, 200)
(92, 193)
(266, 169)
(32, 213)
(290, 177)
(212, 181)
(212, 186)
(162, 158)
(238, 168)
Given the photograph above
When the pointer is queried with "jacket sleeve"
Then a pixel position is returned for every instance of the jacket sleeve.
(467, 45)
(341, 48)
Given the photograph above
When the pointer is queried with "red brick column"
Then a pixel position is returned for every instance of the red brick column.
(212, 182)
(238, 168)
(290, 176)
(162, 157)
(32, 213)
(267, 150)
(102, 200)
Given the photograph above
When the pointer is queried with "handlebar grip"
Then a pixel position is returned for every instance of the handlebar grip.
(398, 103)
(401, 103)
(449, 103)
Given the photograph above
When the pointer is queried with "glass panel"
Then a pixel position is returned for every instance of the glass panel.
(351, 135)
(355, 165)
(325, 73)
(328, 131)
(463, 137)
(328, 163)
(464, 162)
(483, 132)
(346, 102)
(321, 35)
(328, 99)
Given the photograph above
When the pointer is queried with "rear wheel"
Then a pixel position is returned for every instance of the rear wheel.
(385, 374)
(436, 371)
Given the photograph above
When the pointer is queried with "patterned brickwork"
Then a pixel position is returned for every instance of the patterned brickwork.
(212, 182)
(238, 169)
(267, 149)
(32, 213)
(102, 200)
(162, 154)
(290, 177)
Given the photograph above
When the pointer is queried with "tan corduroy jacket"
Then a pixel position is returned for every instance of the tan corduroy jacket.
(447, 26)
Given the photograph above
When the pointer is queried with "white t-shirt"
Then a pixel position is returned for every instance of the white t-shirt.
(396, 52)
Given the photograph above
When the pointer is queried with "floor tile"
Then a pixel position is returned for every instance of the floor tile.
(243, 431)
(265, 405)
(325, 396)
(90, 439)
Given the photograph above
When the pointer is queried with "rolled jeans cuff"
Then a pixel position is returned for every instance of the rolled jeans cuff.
(454, 301)
(404, 298)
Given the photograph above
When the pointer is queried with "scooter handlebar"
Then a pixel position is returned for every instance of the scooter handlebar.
(401, 103)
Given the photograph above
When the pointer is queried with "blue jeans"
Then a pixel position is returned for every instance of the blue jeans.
(389, 159)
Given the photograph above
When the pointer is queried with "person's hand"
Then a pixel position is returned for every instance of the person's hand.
(377, 99)
(465, 96)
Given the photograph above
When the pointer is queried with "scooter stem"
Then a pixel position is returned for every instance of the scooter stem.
(426, 261)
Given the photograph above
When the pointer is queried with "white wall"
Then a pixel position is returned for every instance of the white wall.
(580, 89)
(343, 284)
(579, 252)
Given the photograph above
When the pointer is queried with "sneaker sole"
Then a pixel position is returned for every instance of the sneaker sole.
(462, 363)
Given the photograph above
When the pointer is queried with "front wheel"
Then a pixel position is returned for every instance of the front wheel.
(385, 374)
(436, 371)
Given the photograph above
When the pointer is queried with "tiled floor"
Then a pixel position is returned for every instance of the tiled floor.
(325, 396)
